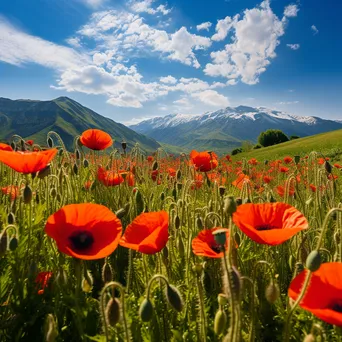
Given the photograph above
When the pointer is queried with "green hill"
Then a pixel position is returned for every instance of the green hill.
(326, 143)
(34, 119)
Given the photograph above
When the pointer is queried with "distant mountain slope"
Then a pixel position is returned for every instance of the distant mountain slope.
(34, 119)
(227, 128)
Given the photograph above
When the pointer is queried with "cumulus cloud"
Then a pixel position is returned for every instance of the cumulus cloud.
(293, 46)
(146, 6)
(212, 98)
(314, 29)
(204, 26)
(18, 48)
(93, 3)
(291, 11)
(168, 79)
(255, 36)
(287, 102)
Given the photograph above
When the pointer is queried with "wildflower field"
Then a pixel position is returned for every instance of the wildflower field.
(101, 244)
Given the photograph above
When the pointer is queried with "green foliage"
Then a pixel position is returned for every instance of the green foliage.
(272, 137)
(236, 151)
(293, 137)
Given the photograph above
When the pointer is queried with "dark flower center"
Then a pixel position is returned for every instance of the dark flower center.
(337, 306)
(216, 248)
(264, 227)
(81, 240)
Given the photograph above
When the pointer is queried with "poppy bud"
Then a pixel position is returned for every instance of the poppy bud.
(299, 267)
(50, 142)
(146, 310)
(199, 223)
(107, 273)
(272, 199)
(3, 244)
(229, 206)
(155, 165)
(238, 201)
(177, 222)
(197, 268)
(112, 312)
(77, 154)
(13, 244)
(124, 145)
(178, 174)
(10, 218)
(220, 322)
(37, 198)
(309, 338)
(75, 169)
(327, 167)
(22, 145)
(181, 249)
(265, 161)
(60, 152)
(174, 297)
(50, 328)
(85, 163)
(120, 213)
(165, 252)
(237, 238)
(162, 196)
(222, 190)
(53, 192)
(246, 200)
(272, 292)
(87, 282)
(13, 145)
(27, 194)
(139, 202)
(174, 193)
(297, 159)
(222, 299)
(313, 261)
(309, 200)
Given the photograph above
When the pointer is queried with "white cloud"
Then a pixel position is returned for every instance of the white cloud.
(287, 102)
(223, 26)
(291, 11)
(212, 98)
(204, 26)
(254, 39)
(168, 79)
(93, 3)
(74, 41)
(314, 29)
(18, 48)
(146, 6)
(293, 46)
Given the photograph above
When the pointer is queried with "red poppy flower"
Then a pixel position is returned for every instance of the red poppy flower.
(267, 179)
(11, 190)
(269, 223)
(27, 162)
(128, 177)
(204, 161)
(228, 157)
(29, 142)
(5, 147)
(313, 187)
(253, 161)
(288, 160)
(154, 175)
(109, 178)
(197, 183)
(42, 280)
(323, 296)
(86, 231)
(281, 190)
(95, 139)
(240, 180)
(172, 172)
(204, 244)
(150, 159)
(148, 233)
(87, 185)
(284, 169)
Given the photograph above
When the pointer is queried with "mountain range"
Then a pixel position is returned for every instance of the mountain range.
(34, 119)
(227, 128)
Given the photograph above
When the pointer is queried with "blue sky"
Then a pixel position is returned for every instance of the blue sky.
(130, 60)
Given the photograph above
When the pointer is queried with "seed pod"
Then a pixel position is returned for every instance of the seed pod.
(229, 206)
(27, 194)
(313, 261)
(112, 312)
(13, 244)
(85, 163)
(174, 297)
(177, 222)
(3, 244)
(222, 299)
(120, 213)
(220, 322)
(107, 273)
(146, 310)
(75, 169)
(10, 218)
(50, 142)
(220, 236)
(272, 292)
(139, 202)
